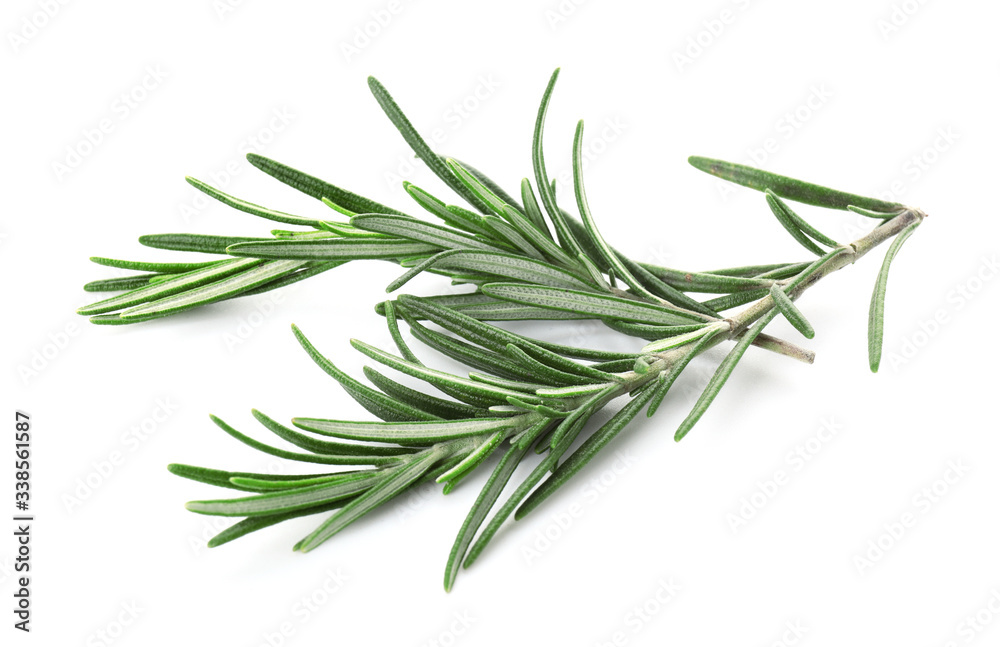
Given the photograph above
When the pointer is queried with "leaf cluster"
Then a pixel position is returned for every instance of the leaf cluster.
(524, 257)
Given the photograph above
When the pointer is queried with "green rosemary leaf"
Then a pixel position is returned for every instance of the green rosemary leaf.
(451, 301)
(679, 340)
(419, 268)
(224, 479)
(468, 354)
(195, 242)
(317, 188)
(419, 146)
(493, 338)
(170, 287)
(876, 312)
(325, 459)
(434, 377)
(143, 266)
(784, 272)
(722, 374)
(284, 501)
(301, 235)
(791, 312)
(879, 215)
(385, 407)
(304, 481)
(486, 335)
(596, 305)
(617, 365)
(504, 232)
(458, 218)
(531, 210)
(222, 289)
(253, 524)
(509, 311)
(545, 410)
(545, 373)
(362, 452)
(572, 424)
(331, 448)
(596, 277)
(475, 457)
(397, 337)
(651, 283)
(488, 184)
(309, 270)
(538, 431)
(814, 267)
(249, 207)
(344, 211)
(610, 257)
(571, 427)
(565, 235)
(561, 363)
(650, 332)
(394, 483)
(736, 299)
(712, 282)
(506, 383)
(115, 320)
(787, 187)
(575, 352)
(666, 379)
(121, 283)
(664, 290)
(493, 203)
(406, 432)
(798, 221)
(468, 217)
(539, 238)
(484, 502)
(439, 407)
(420, 231)
(790, 221)
(578, 459)
(572, 391)
(744, 271)
(331, 249)
(514, 267)
(346, 230)
(443, 466)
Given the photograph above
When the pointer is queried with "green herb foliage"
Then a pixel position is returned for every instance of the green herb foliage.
(523, 260)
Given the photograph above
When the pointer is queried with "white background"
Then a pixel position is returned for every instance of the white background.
(890, 96)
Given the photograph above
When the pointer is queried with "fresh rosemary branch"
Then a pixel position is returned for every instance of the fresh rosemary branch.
(525, 259)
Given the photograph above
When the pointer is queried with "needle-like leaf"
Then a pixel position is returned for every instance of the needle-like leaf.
(787, 187)
(791, 313)
(317, 188)
(249, 207)
(331, 249)
(876, 312)
(565, 235)
(578, 459)
(420, 231)
(596, 305)
(389, 487)
(722, 374)
(419, 146)
(794, 224)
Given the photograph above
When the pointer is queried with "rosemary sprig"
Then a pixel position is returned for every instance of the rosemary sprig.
(521, 394)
